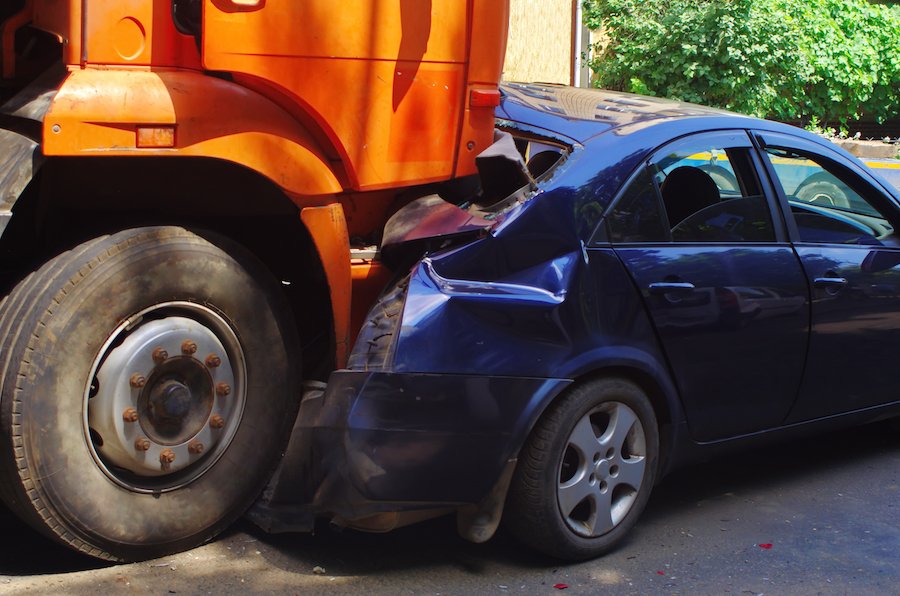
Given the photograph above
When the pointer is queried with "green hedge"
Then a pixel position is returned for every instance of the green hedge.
(832, 60)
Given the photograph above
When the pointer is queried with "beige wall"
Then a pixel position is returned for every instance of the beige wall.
(539, 48)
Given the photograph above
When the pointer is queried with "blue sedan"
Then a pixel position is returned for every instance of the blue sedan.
(638, 284)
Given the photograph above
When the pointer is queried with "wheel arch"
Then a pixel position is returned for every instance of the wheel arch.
(190, 114)
(653, 381)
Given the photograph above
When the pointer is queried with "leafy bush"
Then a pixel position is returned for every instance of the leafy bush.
(786, 59)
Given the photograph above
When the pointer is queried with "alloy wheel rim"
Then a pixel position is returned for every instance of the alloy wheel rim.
(602, 469)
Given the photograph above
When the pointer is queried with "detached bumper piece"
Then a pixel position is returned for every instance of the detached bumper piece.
(376, 443)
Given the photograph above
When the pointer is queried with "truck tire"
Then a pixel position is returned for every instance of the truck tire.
(148, 381)
(823, 189)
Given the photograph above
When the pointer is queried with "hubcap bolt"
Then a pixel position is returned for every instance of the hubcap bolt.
(137, 380)
(160, 355)
(188, 347)
(130, 415)
(216, 422)
(212, 361)
(195, 447)
(223, 389)
(141, 444)
(166, 457)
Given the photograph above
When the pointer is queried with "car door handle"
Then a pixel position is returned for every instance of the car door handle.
(830, 282)
(668, 287)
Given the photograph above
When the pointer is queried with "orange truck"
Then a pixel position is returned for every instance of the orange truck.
(192, 194)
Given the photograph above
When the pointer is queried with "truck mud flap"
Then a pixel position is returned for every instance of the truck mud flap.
(21, 123)
(20, 159)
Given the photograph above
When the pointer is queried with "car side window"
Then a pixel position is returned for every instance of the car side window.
(638, 215)
(825, 201)
(703, 189)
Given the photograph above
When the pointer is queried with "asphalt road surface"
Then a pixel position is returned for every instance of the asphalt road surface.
(818, 516)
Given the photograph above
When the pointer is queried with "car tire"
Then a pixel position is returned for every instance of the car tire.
(820, 189)
(586, 471)
(149, 380)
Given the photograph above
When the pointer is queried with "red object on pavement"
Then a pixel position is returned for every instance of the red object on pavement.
(766, 546)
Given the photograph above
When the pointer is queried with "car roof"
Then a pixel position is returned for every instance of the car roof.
(580, 114)
(573, 114)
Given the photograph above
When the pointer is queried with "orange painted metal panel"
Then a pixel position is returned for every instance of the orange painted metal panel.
(138, 32)
(427, 30)
(386, 80)
(489, 26)
(100, 111)
(328, 229)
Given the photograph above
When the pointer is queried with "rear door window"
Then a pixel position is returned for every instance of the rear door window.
(701, 189)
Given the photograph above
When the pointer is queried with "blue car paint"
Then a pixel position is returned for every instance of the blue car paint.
(493, 331)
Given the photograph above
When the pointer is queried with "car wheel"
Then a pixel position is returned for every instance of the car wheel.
(820, 189)
(149, 380)
(586, 471)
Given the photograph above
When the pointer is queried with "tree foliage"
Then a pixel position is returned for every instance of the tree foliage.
(789, 59)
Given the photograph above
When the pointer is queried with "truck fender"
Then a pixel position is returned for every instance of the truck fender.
(328, 228)
(175, 112)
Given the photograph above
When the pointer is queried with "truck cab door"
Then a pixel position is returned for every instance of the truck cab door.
(384, 80)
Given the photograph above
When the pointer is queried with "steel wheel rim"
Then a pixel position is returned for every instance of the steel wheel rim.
(166, 395)
(601, 469)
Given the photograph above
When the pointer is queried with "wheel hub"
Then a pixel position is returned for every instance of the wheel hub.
(177, 401)
(166, 397)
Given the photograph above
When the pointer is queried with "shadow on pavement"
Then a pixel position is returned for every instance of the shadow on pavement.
(24, 552)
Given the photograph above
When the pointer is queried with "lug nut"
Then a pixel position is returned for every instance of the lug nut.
(188, 347)
(195, 447)
(130, 415)
(141, 444)
(159, 355)
(137, 380)
(213, 360)
(223, 389)
(216, 422)
(166, 457)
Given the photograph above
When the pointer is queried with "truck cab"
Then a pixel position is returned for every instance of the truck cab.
(192, 199)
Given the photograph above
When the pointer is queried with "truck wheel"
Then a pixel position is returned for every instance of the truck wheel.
(823, 189)
(586, 471)
(149, 380)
